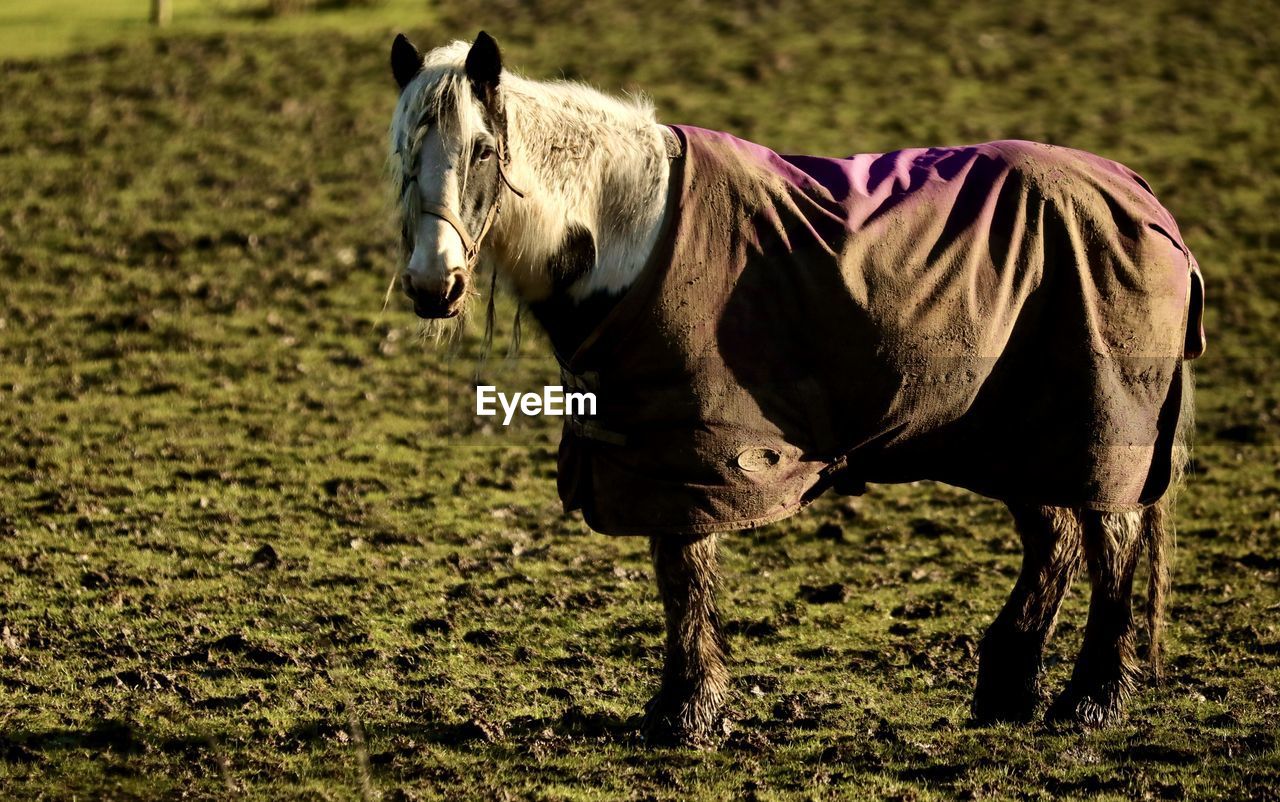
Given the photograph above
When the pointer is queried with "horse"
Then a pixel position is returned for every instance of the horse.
(1013, 318)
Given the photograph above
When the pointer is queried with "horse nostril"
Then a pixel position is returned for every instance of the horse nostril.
(406, 284)
(457, 286)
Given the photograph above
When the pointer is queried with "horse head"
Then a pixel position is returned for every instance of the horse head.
(449, 142)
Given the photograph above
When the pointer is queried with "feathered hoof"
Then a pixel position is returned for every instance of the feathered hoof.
(691, 721)
(1097, 708)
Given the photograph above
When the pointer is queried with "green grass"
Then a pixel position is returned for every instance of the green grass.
(194, 243)
(56, 27)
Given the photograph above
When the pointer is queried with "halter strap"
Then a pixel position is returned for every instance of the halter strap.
(469, 244)
(446, 214)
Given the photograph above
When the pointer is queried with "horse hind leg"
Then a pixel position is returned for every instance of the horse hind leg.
(695, 678)
(1009, 663)
(1106, 671)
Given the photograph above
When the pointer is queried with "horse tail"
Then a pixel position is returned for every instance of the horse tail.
(1158, 526)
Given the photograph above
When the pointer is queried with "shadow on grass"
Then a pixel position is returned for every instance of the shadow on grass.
(273, 9)
(477, 730)
(112, 736)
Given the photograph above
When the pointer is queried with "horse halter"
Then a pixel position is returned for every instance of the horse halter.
(471, 245)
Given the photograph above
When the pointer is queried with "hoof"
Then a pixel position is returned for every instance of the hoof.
(1009, 670)
(1088, 710)
(1007, 690)
(683, 720)
(1014, 703)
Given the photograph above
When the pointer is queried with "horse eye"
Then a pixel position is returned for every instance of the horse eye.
(483, 152)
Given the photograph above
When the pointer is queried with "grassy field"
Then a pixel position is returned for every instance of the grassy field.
(33, 28)
(247, 552)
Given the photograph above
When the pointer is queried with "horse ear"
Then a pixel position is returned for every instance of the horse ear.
(484, 65)
(406, 61)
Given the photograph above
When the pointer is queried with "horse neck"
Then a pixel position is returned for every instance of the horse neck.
(594, 172)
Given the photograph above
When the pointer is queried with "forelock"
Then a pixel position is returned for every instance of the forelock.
(440, 95)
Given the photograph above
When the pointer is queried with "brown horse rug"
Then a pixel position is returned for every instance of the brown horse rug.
(1008, 317)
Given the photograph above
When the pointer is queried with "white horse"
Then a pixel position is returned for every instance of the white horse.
(595, 169)
(568, 192)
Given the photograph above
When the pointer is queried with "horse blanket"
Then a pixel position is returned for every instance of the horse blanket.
(1009, 317)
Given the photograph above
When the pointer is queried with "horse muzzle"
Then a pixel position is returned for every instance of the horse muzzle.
(434, 300)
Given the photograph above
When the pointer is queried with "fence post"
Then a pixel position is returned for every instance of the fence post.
(161, 12)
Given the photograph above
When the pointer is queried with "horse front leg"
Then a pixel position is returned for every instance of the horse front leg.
(686, 710)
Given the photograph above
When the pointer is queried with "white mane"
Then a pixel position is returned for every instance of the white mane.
(582, 157)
